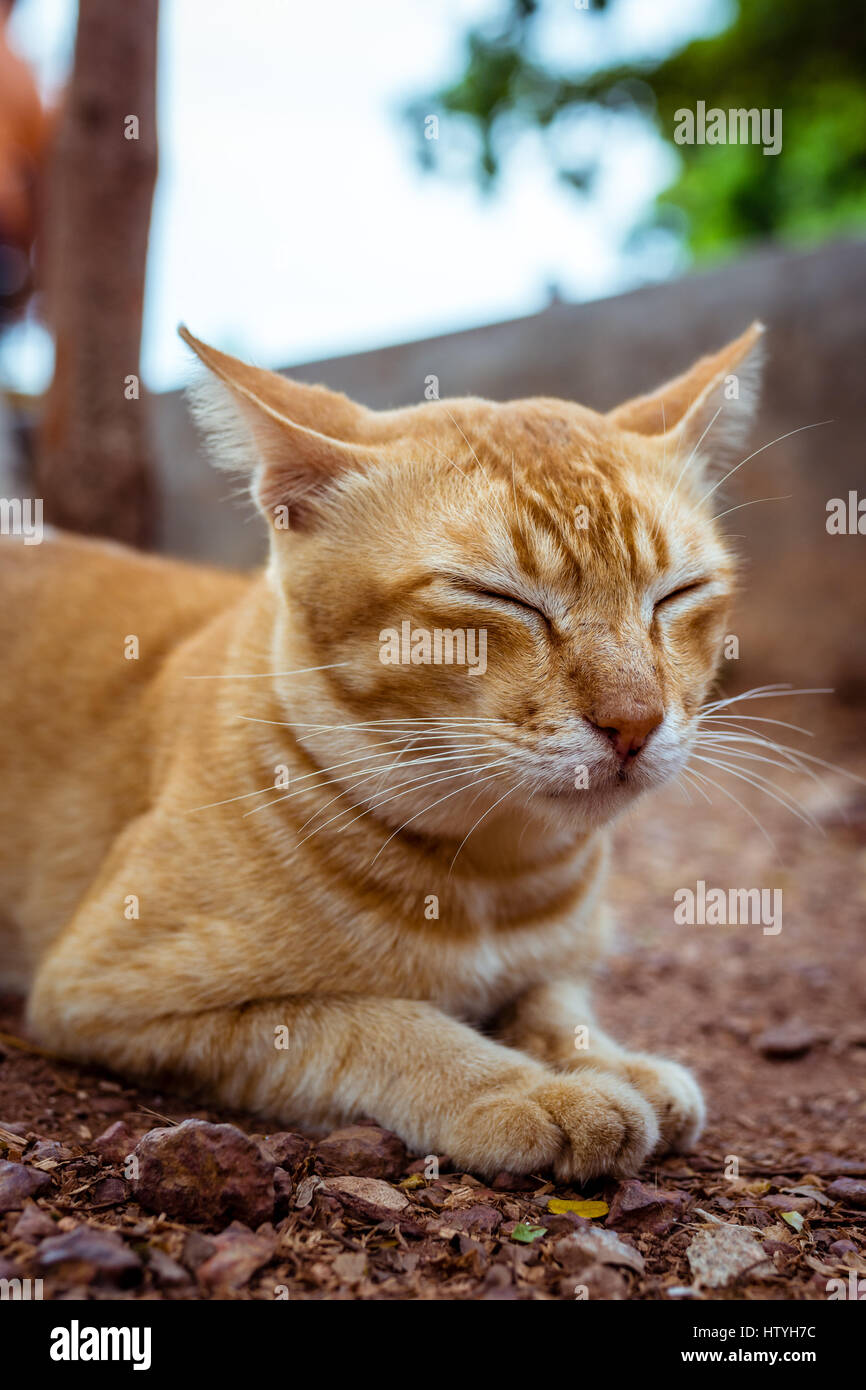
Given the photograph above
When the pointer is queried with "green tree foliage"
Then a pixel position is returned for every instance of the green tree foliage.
(805, 57)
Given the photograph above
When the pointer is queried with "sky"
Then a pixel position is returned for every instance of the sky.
(291, 220)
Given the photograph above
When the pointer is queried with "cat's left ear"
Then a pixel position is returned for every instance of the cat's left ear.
(709, 409)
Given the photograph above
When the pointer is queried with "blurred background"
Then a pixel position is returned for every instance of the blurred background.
(488, 191)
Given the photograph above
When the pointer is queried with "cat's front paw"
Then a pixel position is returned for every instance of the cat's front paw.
(607, 1126)
(579, 1126)
(674, 1095)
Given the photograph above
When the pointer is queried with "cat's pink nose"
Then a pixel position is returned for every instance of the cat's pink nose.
(627, 726)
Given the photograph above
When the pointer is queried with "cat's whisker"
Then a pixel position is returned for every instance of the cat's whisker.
(754, 502)
(763, 785)
(725, 753)
(419, 783)
(268, 675)
(449, 460)
(694, 785)
(366, 777)
(243, 796)
(432, 781)
(726, 738)
(798, 753)
(425, 809)
(777, 687)
(445, 721)
(441, 777)
(742, 757)
(731, 471)
(658, 521)
(434, 742)
(510, 792)
(348, 762)
(369, 772)
(467, 751)
(762, 692)
(684, 469)
(517, 511)
(755, 719)
(493, 492)
(726, 792)
(259, 791)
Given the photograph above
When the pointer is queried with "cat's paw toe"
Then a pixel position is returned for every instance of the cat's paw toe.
(674, 1095)
(607, 1126)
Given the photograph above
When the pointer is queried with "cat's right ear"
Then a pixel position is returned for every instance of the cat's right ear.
(295, 440)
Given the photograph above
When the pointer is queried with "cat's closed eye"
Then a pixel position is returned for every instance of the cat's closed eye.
(498, 596)
(692, 587)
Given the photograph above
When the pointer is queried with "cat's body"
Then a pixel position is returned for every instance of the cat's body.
(101, 764)
(338, 950)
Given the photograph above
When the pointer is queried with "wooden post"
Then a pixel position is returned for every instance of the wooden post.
(93, 467)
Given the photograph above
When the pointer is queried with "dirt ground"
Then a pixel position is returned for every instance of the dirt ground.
(773, 1024)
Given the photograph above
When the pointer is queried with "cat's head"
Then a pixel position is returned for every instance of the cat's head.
(527, 600)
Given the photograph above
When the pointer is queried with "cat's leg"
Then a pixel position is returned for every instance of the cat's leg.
(555, 1024)
(437, 1082)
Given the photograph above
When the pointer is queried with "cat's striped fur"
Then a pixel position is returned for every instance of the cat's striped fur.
(422, 905)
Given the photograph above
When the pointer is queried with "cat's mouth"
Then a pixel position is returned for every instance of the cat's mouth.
(602, 786)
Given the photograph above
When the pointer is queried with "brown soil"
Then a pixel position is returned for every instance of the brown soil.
(711, 996)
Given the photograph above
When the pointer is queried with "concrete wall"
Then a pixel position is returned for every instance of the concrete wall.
(802, 613)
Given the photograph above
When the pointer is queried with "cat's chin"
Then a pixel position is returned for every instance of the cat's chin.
(597, 805)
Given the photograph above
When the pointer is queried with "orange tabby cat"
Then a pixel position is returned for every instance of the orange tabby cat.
(331, 841)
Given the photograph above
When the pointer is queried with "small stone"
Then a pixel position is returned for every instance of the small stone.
(116, 1143)
(15, 1127)
(197, 1248)
(109, 1192)
(367, 1197)
(787, 1041)
(18, 1182)
(720, 1254)
(366, 1151)
(47, 1151)
(432, 1164)
(350, 1266)
(238, 1254)
(637, 1207)
(596, 1246)
(849, 1190)
(164, 1269)
(783, 1201)
(89, 1255)
(827, 1165)
(287, 1150)
(33, 1224)
(597, 1281)
(839, 1248)
(477, 1218)
(283, 1188)
(434, 1197)
(198, 1171)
